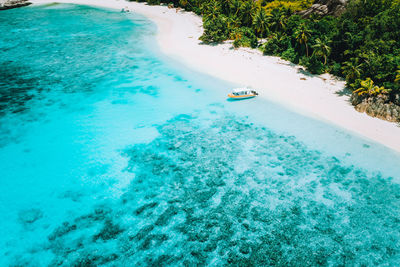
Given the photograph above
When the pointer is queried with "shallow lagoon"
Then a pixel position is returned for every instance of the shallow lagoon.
(111, 153)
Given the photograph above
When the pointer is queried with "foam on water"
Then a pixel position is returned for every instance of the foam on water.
(111, 154)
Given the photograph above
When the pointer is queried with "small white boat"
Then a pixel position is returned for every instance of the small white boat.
(242, 93)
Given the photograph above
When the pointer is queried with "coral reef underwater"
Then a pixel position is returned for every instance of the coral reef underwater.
(197, 199)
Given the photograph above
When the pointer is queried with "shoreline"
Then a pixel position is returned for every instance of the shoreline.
(275, 79)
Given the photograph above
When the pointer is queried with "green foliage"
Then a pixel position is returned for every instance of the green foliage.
(247, 9)
(362, 43)
(352, 70)
(313, 64)
(277, 20)
(244, 37)
(276, 45)
(322, 48)
(369, 89)
(287, 4)
(215, 30)
(302, 35)
(289, 54)
(335, 69)
(260, 22)
(154, 2)
(397, 79)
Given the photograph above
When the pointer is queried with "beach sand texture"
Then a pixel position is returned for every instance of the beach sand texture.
(320, 97)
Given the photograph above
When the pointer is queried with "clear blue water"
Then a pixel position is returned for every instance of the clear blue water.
(112, 154)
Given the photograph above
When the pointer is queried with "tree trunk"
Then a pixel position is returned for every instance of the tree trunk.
(306, 49)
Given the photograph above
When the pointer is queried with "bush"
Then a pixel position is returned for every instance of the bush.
(313, 64)
(153, 2)
(244, 37)
(276, 45)
(215, 30)
(336, 69)
(368, 88)
(290, 55)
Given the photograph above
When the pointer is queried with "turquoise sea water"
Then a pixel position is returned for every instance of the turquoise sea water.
(112, 154)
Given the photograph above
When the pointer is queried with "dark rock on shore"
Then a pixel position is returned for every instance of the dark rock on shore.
(325, 7)
(8, 4)
(380, 107)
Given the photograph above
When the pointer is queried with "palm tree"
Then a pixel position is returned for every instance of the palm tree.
(352, 69)
(322, 48)
(260, 22)
(247, 11)
(368, 88)
(277, 20)
(303, 34)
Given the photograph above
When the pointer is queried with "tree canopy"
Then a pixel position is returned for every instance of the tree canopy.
(361, 44)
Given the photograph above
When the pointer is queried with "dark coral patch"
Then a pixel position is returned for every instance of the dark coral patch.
(196, 199)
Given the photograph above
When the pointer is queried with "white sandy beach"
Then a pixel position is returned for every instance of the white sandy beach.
(275, 79)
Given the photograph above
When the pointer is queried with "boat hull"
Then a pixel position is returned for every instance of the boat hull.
(238, 97)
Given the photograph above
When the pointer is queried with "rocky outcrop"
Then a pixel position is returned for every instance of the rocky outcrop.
(379, 107)
(325, 7)
(8, 4)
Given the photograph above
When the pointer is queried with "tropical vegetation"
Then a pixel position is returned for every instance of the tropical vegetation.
(362, 45)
